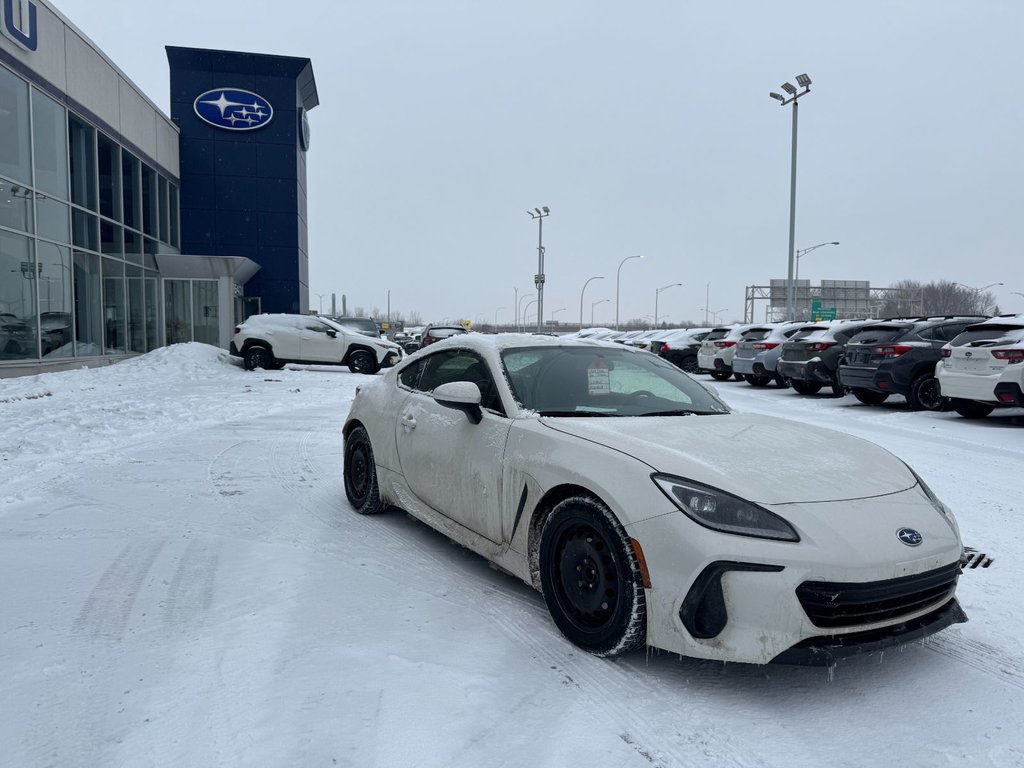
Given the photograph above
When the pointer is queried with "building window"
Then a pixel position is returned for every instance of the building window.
(84, 230)
(15, 157)
(50, 145)
(109, 164)
(204, 311)
(175, 238)
(82, 146)
(131, 186)
(190, 311)
(18, 275)
(136, 309)
(55, 318)
(88, 314)
(152, 328)
(15, 206)
(115, 335)
(54, 219)
(165, 229)
(150, 217)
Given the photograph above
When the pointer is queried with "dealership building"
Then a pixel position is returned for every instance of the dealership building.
(123, 229)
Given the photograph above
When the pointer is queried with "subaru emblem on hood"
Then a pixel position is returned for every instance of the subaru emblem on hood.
(233, 109)
(909, 536)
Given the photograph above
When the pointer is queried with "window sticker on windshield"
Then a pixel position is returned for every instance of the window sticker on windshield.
(598, 378)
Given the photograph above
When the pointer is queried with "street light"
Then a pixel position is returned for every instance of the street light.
(592, 305)
(714, 313)
(528, 305)
(595, 277)
(321, 297)
(538, 280)
(618, 276)
(496, 318)
(804, 82)
(555, 312)
(657, 292)
(520, 312)
(977, 293)
(804, 252)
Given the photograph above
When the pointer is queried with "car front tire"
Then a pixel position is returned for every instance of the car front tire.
(362, 361)
(360, 472)
(590, 578)
(925, 395)
(258, 356)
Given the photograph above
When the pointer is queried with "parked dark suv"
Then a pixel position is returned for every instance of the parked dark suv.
(437, 332)
(810, 362)
(898, 357)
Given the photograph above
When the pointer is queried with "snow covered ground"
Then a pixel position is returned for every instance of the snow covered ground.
(182, 582)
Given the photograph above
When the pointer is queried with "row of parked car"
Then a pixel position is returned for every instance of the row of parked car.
(971, 364)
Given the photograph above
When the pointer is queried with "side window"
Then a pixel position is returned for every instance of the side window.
(410, 375)
(459, 365)
(316, 326)
(950, 332)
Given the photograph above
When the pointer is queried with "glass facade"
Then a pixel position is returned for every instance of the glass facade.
(80, 219)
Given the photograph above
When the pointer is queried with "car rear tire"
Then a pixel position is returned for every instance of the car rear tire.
(591, 580)
(362, 361)
(720, 375)
(924, 394)
(360, 473)
(258, 356)
(782, 382)
(869, 396)
(757, 381)
(805, 387)
(971, 409)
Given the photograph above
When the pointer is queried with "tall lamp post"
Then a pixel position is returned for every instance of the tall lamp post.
(589, 279)
(977, 293)
(528, 305)
(618, 279)
(594, 304)
(657, 293)
(496, 318)
(538, 280)
(521, 311)
(714, 313)
(555, 312)
(803, 252)
(321, 297)
(804, 82)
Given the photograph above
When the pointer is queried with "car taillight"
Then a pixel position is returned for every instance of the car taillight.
(946, 352)
(1009, 355)
(664, 347)
(820, 346)
(891, 350)
(762, 346)
(725, 344)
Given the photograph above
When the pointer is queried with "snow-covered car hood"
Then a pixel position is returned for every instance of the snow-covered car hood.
(759, 458)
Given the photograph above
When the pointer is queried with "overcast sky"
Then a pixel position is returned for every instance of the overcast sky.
(646, 127)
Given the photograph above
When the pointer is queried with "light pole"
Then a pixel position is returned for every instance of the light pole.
(618, 277)
(803, 81)
(657, 292)
(595, 277)
(592, 305)
(496, 318)
(555, 312)
(521, 312)
(321, 297)
(528, 305)
(538, 280)
(977, 293)
(714, 313)
(803, 252)
(707, 302)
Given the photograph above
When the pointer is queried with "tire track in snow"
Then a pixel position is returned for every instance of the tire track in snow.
(107, 609)
(978, 655)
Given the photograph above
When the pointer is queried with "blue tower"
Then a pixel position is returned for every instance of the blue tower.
(243, 142)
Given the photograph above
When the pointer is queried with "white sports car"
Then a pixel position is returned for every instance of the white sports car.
(638, 504)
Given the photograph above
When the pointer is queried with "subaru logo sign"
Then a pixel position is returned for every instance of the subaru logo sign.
(233, 109)
(909, 536)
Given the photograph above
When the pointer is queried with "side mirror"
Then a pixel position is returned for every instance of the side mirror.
(462, 396)
(332, 333)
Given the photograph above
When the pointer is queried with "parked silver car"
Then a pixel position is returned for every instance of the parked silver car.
(757, 354)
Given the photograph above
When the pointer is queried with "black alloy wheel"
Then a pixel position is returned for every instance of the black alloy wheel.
(971, 409)
(687, 363)
(362, 361)
(258, 356)
(925, 395)
(361, 473)
(869, 396)
(590, 578)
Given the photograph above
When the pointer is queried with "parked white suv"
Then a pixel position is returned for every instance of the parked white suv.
(270, 341)
(983, 367)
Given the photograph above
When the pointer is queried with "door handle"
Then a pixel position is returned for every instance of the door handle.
(409, 421)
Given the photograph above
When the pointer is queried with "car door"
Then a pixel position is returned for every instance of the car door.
(451, 464)
(320, 342)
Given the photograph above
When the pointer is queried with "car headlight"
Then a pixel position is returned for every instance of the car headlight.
(941, 508)
(722, 511)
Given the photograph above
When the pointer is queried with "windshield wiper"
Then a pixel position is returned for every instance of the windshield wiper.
(576, 413)
(681, 413)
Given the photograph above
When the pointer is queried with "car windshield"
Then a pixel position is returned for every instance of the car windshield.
(600, 381)
(363, 325)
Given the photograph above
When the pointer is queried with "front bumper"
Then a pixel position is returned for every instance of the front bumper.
(391, 359)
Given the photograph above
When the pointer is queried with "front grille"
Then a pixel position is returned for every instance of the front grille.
(837, 604)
